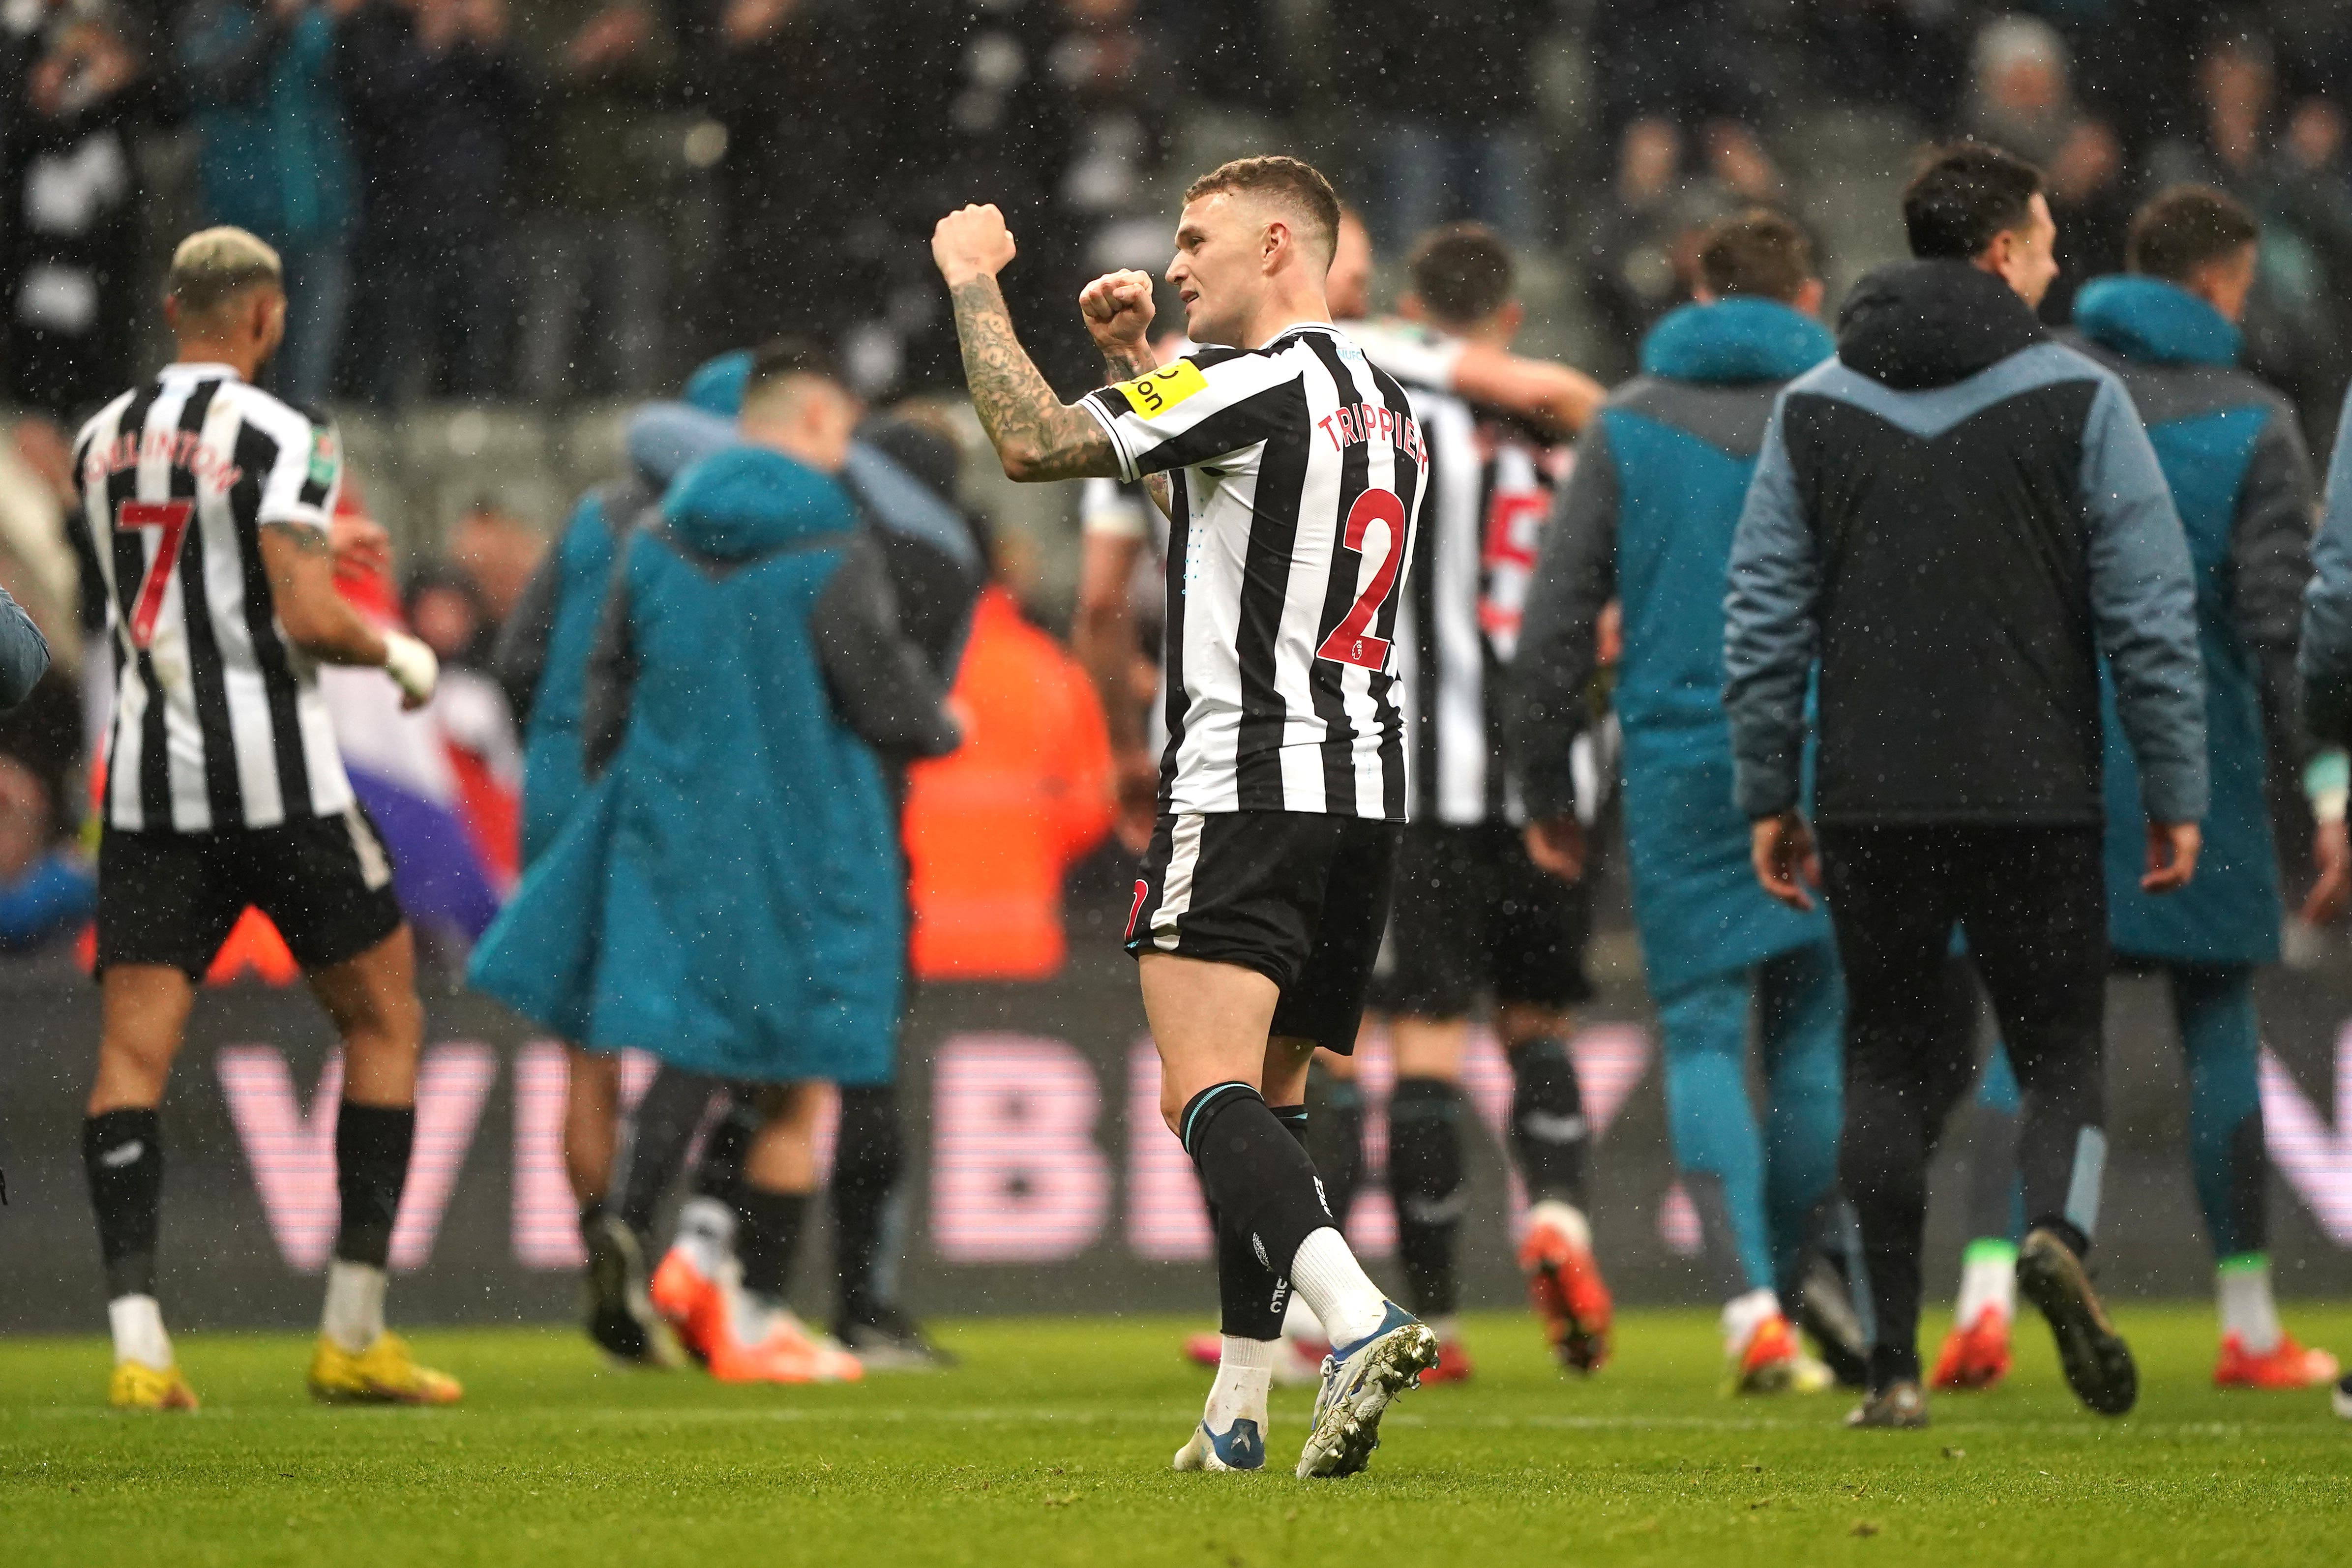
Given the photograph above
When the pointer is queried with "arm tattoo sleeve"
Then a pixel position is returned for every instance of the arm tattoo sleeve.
(1024, 419)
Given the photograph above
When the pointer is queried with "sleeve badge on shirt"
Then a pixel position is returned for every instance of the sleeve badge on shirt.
(1163, 389)
(322, 456)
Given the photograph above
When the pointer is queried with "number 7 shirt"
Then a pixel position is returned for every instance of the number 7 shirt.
(218, 720)
(1296, 474)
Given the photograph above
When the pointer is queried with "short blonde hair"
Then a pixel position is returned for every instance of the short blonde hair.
(1293, 184)
(213, 266)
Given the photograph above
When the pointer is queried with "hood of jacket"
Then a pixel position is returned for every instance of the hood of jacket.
(748, 501)
(2148, 319)
(1735, 341)
(1922, 324)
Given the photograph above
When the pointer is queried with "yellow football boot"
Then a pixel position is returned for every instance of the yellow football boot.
(137, 1386)
(383, 1374)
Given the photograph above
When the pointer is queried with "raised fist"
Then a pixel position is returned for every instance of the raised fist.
(1118, 307)
(972, 242)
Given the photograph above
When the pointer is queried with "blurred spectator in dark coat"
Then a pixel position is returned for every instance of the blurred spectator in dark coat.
(78, 90)
(970, 109)
(438, 97)
(1687, 61)
(2289, 172)
(1123, 105)
(273, 157)
(780, 78)
(1450, 89)
(1641, 248)
(593, 255)
(1905, 54)
(2020, 98)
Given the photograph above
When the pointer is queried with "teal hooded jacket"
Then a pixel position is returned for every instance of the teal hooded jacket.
(729, 895)
(2233, 456)
(1647, 518)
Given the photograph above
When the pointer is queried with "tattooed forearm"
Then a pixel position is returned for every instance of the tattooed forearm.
(1124, 365)
(1035, 434)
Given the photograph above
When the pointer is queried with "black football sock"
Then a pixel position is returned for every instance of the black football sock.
(372, 1147)
(869, 1156)
(654, 1144)
(1260, 1185)
(1551, 1139)
(1336, 1140)
(1251, 1296)
(767, 1236)
(720, 1171)
(1425, 1179)
(123, 1153)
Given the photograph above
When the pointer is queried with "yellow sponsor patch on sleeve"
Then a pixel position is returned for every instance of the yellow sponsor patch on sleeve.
(1163, 389)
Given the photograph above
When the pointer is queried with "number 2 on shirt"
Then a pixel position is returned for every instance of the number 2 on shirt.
(1352, 640)
(171, 516)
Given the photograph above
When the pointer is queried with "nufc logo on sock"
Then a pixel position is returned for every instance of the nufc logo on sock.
(123, 1154)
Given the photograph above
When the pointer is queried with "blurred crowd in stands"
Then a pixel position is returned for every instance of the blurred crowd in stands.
(543, 204)
(557, 199)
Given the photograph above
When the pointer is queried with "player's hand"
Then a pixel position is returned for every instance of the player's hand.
(1557, 845)
(2171, 856)
(1118, 307)
(413, 667)
(1786, 861)
(1137, 784)
(2331, 853)
(972, 242)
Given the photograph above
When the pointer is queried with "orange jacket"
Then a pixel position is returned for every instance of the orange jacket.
(992, 830)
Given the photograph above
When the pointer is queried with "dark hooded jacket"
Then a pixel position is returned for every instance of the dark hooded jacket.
(1954, 519)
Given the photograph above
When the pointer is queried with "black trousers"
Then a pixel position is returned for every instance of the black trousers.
(2031, 903)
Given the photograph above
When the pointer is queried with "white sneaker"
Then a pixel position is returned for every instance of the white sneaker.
(1359, 1381)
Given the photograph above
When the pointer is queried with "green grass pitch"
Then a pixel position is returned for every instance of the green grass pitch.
(1051, 1446)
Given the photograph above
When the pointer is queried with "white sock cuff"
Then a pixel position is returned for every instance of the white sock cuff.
(1742, 1316)
(137, 1322)
(1247, 1356)
(1323, 1271)
(1568, 1218)
(353, 1315)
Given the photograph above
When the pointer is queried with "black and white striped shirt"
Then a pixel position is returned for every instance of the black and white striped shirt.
(1296, 471)
(218, 719)
(1490, 493)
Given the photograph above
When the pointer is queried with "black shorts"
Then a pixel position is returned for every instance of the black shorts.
(1298, 896)
(1474, 915)
(171, 899)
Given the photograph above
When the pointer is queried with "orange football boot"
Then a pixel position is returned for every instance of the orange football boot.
(1976, 1356)
(1774, 1362)
(689, 1300)
(2286, 1365)
(1564, 1286)
(774, 1346)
